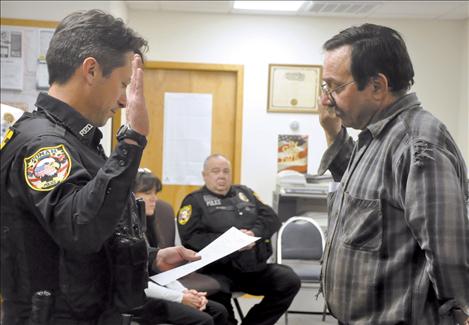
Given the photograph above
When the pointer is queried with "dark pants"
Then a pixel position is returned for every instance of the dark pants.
(155, 311)
(158, 311)
(277, 283)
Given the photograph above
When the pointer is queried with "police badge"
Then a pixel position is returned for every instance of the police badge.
(184, 214)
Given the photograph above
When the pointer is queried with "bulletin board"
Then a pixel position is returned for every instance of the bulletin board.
(23, 48)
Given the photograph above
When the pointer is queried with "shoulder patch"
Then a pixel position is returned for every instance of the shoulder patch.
(47, 167)
(184, 214)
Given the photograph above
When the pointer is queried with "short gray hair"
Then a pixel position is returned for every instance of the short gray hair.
(215, 155)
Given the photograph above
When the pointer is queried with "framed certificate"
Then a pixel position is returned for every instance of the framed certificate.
(294, 88)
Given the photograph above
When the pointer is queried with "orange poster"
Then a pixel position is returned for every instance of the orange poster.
(293, 153)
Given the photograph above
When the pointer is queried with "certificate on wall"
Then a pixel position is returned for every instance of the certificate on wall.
(292, 153)
(294, 88)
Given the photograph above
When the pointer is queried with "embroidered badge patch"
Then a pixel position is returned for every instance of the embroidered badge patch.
(47, 167)
(184, 214)
(243, 197)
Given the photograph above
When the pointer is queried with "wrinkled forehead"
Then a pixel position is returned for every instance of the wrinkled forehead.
(218, 162)
(337, 64)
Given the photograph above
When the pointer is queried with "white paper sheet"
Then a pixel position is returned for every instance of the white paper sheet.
(187, 137)
(229, 242)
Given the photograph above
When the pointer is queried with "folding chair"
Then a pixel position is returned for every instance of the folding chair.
(300, 244)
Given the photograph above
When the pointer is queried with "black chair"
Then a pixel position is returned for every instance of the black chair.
(300, 244)
(165, 228)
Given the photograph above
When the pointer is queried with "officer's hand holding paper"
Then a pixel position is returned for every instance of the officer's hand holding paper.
(229, 242)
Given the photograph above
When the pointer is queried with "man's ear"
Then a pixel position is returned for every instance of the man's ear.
(89, 69)
(379, 84)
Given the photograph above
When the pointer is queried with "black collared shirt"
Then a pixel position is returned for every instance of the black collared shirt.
(62, 199)
(205, 215)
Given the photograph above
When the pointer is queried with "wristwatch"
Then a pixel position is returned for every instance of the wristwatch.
(126, 132)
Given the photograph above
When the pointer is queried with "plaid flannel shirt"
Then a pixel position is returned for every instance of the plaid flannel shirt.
(398, 242)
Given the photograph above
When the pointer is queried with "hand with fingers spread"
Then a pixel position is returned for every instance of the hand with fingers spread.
(136, 110)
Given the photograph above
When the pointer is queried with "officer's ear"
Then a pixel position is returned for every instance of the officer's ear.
(89, 69)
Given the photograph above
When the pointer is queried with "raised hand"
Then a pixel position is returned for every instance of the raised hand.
(136, 110)
(329, 121)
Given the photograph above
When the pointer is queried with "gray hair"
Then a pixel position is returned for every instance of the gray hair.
(215, 155)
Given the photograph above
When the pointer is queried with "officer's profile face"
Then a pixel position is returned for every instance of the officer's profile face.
(217, 175)
(108, 93)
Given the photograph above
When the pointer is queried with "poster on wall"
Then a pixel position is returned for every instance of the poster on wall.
(11, 57)
(187, 137)
(292, 153)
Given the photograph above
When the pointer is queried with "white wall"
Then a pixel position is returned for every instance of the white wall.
(436, 48)
(48, 10)
(439, 50)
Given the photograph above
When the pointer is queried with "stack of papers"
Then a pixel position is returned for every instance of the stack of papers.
(229, 242)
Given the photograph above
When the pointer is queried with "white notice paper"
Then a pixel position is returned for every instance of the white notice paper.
(11, 58)
(229, 242)
(187, 137)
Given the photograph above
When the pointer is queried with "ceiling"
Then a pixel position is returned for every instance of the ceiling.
(441, 10)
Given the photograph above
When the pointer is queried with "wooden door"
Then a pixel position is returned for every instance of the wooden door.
(224, 82)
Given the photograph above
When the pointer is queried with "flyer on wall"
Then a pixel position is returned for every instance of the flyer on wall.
(292, 153)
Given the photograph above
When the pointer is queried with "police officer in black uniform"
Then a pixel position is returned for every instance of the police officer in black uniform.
(70, 225)
(210, 211)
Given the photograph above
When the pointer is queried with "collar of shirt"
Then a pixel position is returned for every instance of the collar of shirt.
(70, 118)
(382, 119)
(221, 196)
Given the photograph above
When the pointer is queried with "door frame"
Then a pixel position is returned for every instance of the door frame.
(236, 68)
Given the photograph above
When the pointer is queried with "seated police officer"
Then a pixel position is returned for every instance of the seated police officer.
(210, 211)
(70, 223)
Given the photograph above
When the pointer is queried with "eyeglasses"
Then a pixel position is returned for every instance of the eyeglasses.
(144, 170)
(328, 92)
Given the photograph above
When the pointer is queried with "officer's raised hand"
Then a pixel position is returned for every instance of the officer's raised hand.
(136, 110)
(170, 257)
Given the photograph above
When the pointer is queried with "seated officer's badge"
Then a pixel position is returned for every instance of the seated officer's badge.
(243, 197)
(47, 167)
(184, 214)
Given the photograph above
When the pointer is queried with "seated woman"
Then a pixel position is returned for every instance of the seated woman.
(178, 304)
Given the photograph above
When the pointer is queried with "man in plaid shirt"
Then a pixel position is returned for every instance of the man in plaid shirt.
(398, 241)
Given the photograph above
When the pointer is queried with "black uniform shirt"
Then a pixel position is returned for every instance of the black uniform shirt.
(61, 200)
(205, 215)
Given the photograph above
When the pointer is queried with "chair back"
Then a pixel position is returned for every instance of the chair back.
(165, 227)
(300, 238)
